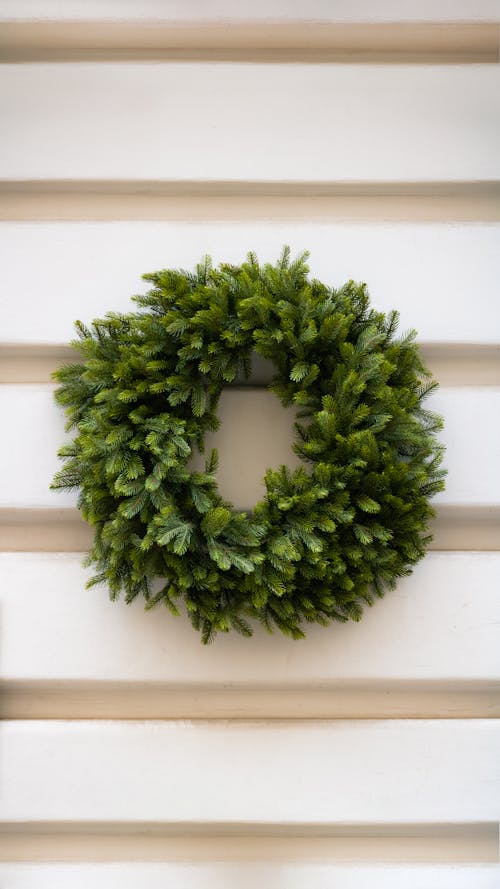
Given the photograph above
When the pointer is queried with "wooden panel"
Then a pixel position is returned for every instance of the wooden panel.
(359, 757)
(429, 628)
(248, 875)
(288, 39)
(253, 435)
(55, 530)
(56, 200)
(299, 773)
(205, 122)
(431, 288)
(472, 437)
(453, 364)
(464, 843)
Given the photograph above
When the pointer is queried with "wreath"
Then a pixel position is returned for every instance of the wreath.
(327, 538)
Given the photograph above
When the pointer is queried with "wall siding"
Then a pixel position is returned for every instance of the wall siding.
(143, 135)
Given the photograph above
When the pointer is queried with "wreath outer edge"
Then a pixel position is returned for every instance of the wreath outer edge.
(326, 539)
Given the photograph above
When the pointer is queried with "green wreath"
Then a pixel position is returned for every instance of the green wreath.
(326, 538)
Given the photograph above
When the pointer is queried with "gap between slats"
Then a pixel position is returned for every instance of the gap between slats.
(466, 528)
(131, 841)
(76, 200)
(265, 41)
(396, 699)
(453, 364)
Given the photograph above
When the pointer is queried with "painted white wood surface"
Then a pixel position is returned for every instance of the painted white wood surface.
(84, 270)
(259, 10)
(246, 122)
(435, 636)
(440, 624)
(248, 875)
(326, 772)
(254, 435)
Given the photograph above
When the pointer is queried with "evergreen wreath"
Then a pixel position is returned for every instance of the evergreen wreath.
(326, 538)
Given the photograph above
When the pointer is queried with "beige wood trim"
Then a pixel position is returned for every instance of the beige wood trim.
(452, 364)
(95, 699)
(467, 528)
(105, 841)
(237, 201)
(266, 41)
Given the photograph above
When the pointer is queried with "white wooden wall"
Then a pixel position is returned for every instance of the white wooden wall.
(140, 135)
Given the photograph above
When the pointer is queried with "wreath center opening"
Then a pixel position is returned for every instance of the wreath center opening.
(256, 433)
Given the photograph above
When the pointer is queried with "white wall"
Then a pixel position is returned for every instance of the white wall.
(366, 755)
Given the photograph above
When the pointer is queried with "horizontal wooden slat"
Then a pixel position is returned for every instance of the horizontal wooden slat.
(286, 40)
(205, 121)
(84, 270)
(243, 773)
(429, 648)
(51, 200)
(453, 364)
(466, 528)
(460, 364)
(44, 530)
(253, 436)
(249, 875)
(267, 844)
(63, 530)
(96, 699)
